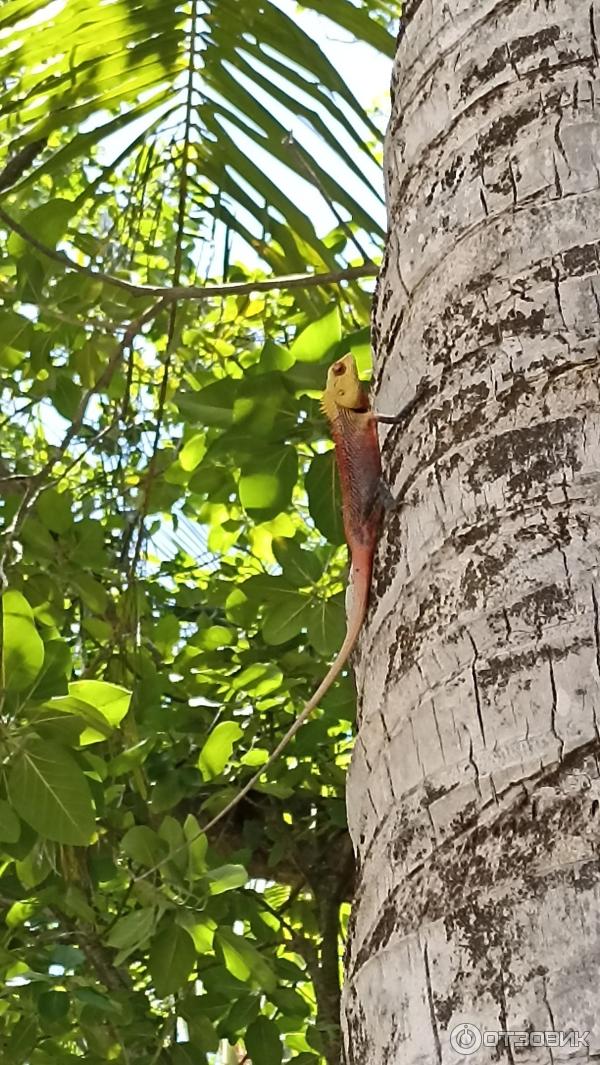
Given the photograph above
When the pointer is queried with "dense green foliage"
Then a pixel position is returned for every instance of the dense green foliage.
(171, 551)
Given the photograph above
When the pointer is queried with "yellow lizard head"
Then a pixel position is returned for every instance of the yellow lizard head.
(343, 388)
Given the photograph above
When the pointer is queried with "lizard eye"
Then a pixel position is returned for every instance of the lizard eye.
(339, 369)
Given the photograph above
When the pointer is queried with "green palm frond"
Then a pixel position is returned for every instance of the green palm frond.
(217, 87)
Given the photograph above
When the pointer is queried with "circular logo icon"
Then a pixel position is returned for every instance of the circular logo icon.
(465, 1038)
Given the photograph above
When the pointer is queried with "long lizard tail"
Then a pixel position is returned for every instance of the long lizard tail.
(361, 580)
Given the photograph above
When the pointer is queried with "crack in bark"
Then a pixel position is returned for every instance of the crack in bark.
(554, 706)
(473, 763)
(597, 646)
(504, 1018)
(546, 1002)
(513, 182)
(557, 182)
(556, 279)
(476, 688)
(431, 1002)
(593, 36)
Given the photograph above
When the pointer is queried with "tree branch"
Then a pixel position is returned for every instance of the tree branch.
(191, 292)
(20, 162)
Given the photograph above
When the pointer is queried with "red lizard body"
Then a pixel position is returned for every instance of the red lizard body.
(354, 430)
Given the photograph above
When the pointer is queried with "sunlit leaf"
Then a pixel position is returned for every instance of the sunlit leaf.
(216, 752)
(317, 339)
(22, 647)
(193, 451)
(226, 878)
(267, 482)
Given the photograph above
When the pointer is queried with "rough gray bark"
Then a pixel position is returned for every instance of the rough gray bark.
(474, 794)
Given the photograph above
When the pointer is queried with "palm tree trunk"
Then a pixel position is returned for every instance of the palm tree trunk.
(474, 794)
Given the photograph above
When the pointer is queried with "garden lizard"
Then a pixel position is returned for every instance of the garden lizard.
(346, 406)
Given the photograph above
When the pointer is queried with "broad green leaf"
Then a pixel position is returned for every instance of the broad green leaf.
(301, 568)
(166, 632)
(324, 500)
(131, 758)
(55, 510)
(48, 223)
(286, 619)
(94, 595)
(110, 700)
(197, 847)
(216, 752)
(19, 912)
(74, 903)
(93, 999)
(35, 867)
(274, 357)
(53, 1005)
(214, 637)
(267, 587)
(245, 1010)
(267, 481)
(260, 679)
(244, 961)
(290, 1002)
(327, 624)
(202, 1031)
(132, 930)
(49, 791)
(172, 831)
(67, 704)
(212, 405)
(22, 646)
(52, 680)
(201, 930)
(22, 1040)
(264, 404)
(257, 756)
(144, 846)
(226, 878)
(193, 452)
(263, 1042)
(10, 826)
(171, 960)
(315, 342)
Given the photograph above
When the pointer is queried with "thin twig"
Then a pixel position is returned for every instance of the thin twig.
(192, 292)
